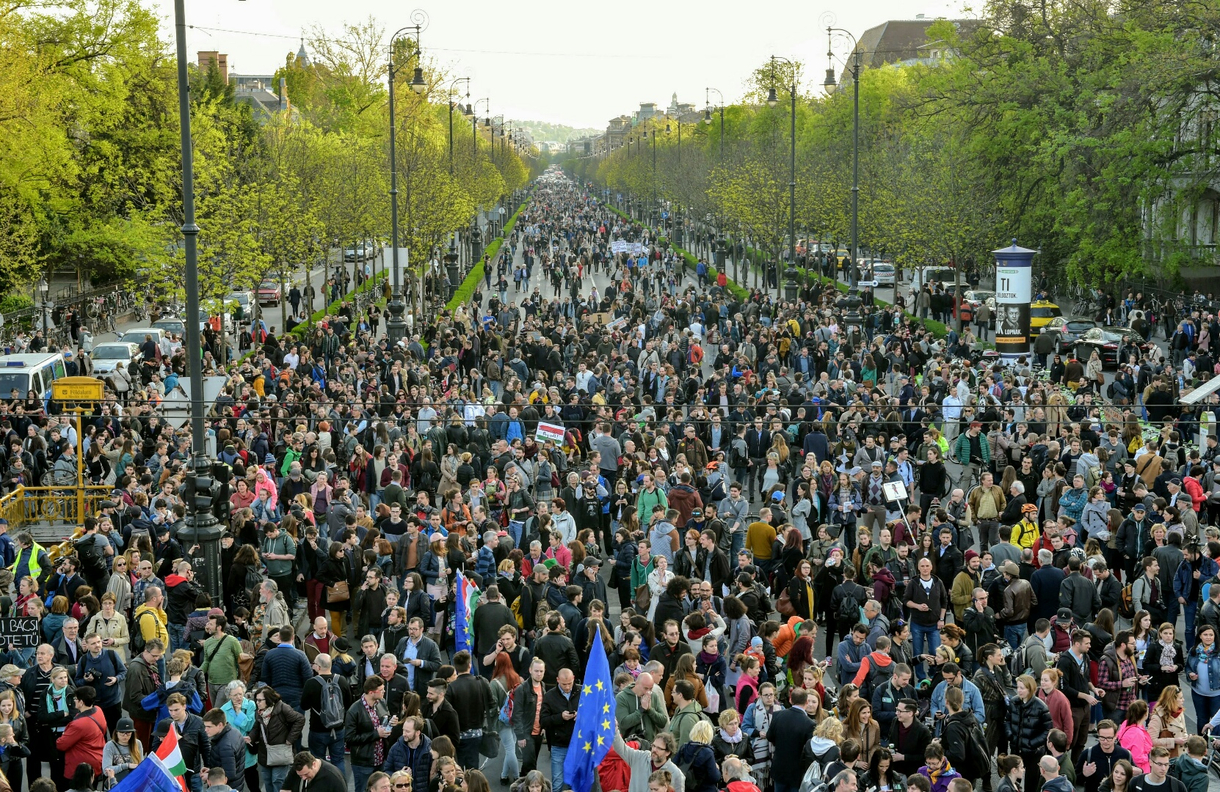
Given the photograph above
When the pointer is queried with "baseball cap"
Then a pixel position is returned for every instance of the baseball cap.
(777, 496)
(1139, 507)
(10, 670)
(126, 726)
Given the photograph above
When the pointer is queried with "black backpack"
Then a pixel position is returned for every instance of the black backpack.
(93, 561)
(736, 458)
(137, 632)
(849, 607)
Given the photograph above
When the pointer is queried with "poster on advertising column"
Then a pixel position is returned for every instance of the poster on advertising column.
(1013, 292)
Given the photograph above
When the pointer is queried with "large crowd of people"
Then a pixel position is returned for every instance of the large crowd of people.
(818, 554)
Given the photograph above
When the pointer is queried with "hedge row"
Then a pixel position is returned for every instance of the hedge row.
(467, 288)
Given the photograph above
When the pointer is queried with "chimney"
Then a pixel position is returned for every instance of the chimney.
(283, 94)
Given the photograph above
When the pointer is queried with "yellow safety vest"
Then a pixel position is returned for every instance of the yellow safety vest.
(35, 569)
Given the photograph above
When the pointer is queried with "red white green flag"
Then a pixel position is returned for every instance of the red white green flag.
(171, 756)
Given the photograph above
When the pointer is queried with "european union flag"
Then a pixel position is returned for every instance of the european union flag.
(595, 723)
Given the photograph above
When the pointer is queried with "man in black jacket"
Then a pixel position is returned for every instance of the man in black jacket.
(716, 562)
(789, 733)
(558, 719)
(364, 730)
(1073, 664)
(228, 749)
(420, 656)
(309, 772)
(441, 712)
(1094, 765)
(471, 696)
(556, 649)
(1079, 594)
(909, 738)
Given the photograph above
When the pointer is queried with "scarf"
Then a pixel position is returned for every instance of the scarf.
(732, 739)
(708, 659)
(945, 768)
(378, 744)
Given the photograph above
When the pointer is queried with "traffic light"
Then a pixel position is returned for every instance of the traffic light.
(187, 492)
(221, 507)
(205, 494)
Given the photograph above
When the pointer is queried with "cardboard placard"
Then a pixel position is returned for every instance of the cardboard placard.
(20, 631)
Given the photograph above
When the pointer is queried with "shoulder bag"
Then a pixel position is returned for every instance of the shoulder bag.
(277, 755)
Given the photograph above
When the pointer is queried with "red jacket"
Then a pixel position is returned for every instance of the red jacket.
(84, 740)
(1195, 490)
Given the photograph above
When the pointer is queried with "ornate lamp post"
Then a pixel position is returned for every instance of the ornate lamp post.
(396, 326)
(830, 84)
(459, 104)
(707, 114)
(772, 101)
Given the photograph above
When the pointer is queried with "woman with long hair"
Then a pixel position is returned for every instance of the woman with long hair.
(861, 727)
(1203, 669)
(1134, 736)
(1142, 632)
(122, 752)
(1167, 723)
(10, 716)
(504, 680)
(1119, 779)
(1164, 662)
(800, 587)
(881, 776)
(685, 669)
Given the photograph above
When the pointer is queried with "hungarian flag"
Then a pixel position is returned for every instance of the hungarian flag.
(171, 756)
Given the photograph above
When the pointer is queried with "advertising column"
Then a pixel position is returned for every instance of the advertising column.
(1013, 293)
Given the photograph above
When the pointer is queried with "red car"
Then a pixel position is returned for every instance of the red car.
(269, 293)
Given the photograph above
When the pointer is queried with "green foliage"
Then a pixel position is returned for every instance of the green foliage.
(15, 302)
(467, 287)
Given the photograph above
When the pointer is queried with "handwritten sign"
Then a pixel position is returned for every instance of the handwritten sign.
(20, 631)
(549, 431)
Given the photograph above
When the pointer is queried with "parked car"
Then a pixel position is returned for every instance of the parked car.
(1069, 331)
(136, 335)
(884, 273)
(1040, 314)
(240, 301)
(972, 299)
(113, 355)
(1107, 340)
(269, 293)
(172, 325)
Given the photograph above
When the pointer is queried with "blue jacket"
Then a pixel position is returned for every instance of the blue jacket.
(972, 701)
(286, 668)
(1195, 659)
(703, 775)
(1184, 575)
(849, 656)
(417, 760)
(107, 664)
(486, 562)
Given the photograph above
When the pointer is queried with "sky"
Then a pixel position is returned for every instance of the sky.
(575, 63)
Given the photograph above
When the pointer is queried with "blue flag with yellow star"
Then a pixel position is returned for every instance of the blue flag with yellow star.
(594, 729)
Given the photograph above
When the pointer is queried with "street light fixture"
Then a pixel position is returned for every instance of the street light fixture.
(830, 85)
(474, 122)
(772, 101)
(396, 326)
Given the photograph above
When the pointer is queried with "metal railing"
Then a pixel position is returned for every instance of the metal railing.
(55, 505)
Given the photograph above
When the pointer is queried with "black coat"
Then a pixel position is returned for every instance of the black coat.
(911, 746)
(789, 733)
(361, 736)
(1028, 723)
(554, 705)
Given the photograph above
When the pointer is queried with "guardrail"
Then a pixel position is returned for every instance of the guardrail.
(62, 505)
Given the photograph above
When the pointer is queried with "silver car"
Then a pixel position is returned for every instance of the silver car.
(113, 355)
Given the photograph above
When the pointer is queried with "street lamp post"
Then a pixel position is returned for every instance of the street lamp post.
(396, 325)
(830, 84)
(707, 114)
(44, 290)
(451, 87)
(773, 100)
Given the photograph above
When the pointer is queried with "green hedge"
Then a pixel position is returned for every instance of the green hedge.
(15, 302)
(304, 327)
(466, 289)
(693, 260)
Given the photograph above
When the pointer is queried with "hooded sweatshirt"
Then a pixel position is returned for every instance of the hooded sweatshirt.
(884, 665)
(1191, 772)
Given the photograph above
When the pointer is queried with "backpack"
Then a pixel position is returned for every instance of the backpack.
(813, 776)
(332, 710)
(506, 710)
(737, 458)
(849, 608)
(515, 607)
(1126, 603)
(137, 633)
(719, 491)
(1018, 661)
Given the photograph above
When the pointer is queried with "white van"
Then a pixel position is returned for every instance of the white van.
(31, 372)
